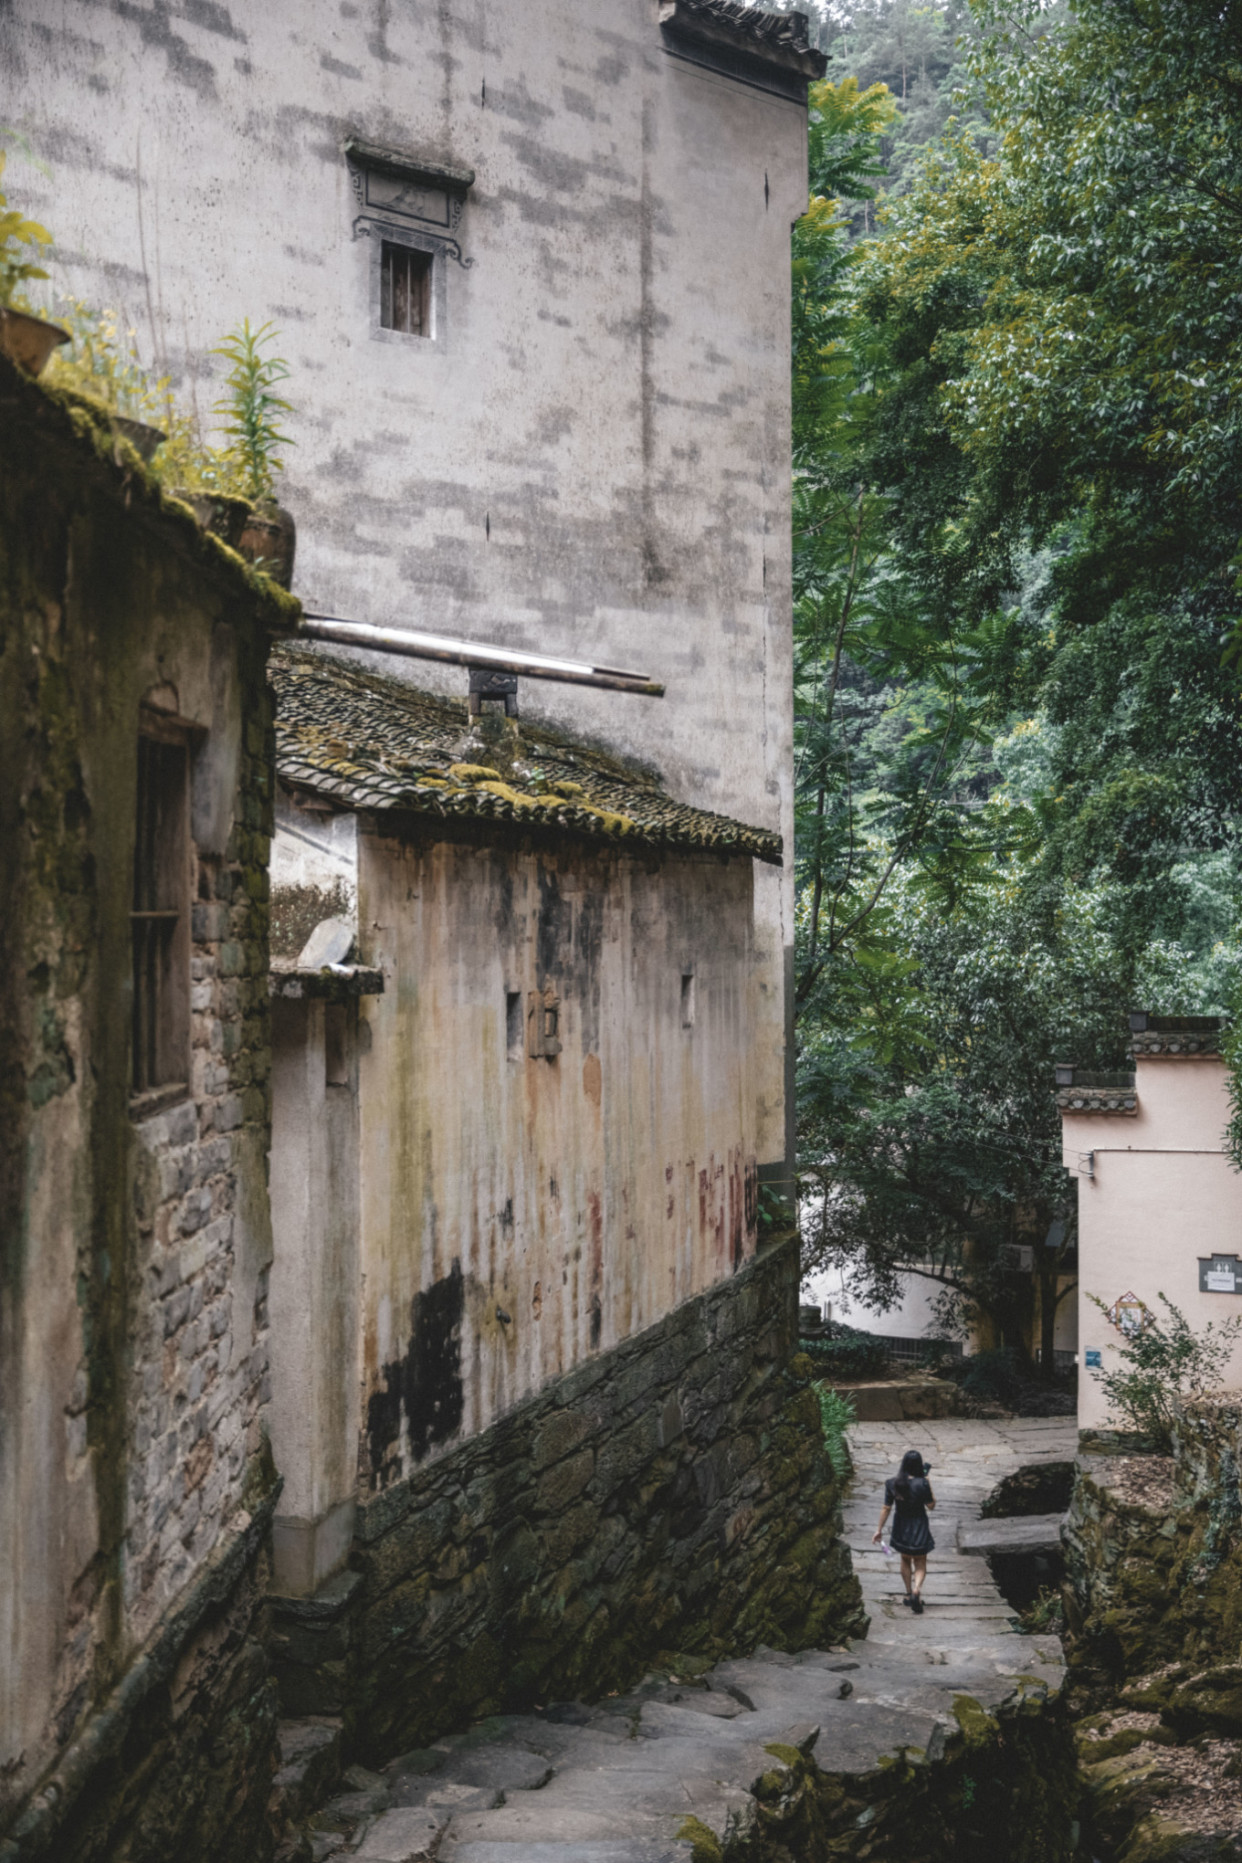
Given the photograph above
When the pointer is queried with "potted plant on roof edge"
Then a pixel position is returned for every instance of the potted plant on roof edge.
(24, 338)
(269, 537)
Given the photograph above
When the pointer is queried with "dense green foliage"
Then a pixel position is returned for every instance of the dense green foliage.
(1018, 519)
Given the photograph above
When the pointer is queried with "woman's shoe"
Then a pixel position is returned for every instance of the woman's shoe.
(908, 1599)
(918, 1606)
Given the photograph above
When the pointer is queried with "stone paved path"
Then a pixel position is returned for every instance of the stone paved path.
(615, 1782)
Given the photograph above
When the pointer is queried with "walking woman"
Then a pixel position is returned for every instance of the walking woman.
(909, 1493)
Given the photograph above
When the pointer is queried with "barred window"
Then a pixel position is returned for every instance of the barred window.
(405, 290)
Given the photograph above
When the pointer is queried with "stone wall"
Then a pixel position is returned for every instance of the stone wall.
(1153, 1603)
(670, 1495)
(1154, 1554)
(136, 1236)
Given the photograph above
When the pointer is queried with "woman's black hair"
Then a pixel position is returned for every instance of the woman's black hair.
(911, 1467)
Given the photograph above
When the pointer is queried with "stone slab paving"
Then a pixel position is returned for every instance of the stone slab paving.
(615, 1782)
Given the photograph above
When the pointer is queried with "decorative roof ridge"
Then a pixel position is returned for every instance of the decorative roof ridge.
(787, 30)
(1113, 1100)
(771, 49)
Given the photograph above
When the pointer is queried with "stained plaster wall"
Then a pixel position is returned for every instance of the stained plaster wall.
(314, 1291)
(133, 1329)
(592, 455)
(1158, 1193)
(520, 1214)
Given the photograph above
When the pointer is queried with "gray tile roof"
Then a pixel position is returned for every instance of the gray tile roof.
(368, 741)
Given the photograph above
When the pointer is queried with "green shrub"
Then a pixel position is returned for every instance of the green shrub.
(1165, 1362)
(17, 266)
(836, 1413)
(252, 409)
(998, 1375)
(844, 1352)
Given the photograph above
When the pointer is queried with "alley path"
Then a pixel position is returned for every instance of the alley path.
(964, 1609)
(616, 1782)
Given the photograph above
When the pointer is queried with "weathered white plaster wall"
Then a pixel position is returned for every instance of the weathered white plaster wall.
(593, 455)
(520, 1213)
(1163, 1194)
(313, 1301)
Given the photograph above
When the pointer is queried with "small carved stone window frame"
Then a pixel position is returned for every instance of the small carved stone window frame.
(402, 201)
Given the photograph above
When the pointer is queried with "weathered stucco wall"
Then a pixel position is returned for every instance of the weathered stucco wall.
(592, 455)
(315, 1288)
(522, 1212)
(1161, 1194)
(133, 1327)
(673, 1494)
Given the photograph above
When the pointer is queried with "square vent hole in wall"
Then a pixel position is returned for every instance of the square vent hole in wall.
(515, 1025)
(405, 289)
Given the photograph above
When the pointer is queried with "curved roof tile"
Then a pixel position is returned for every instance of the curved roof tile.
(369, 741)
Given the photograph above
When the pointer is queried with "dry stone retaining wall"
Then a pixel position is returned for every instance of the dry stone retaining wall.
(671, 1495)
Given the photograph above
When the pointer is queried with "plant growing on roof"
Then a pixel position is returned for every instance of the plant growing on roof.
(253, 409)
(16, 232)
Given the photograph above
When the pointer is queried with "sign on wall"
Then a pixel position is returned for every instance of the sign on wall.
(1130, 1315)
(1220, 1274)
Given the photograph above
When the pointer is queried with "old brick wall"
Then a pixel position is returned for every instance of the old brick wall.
(135, 1480)
(671, 1494)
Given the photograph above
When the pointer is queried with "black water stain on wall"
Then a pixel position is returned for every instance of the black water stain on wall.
(426, 1381)
(555, 928)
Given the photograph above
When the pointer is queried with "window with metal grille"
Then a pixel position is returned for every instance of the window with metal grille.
(405, 290)
(160, 920)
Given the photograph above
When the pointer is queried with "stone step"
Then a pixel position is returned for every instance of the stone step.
(1037, 1533)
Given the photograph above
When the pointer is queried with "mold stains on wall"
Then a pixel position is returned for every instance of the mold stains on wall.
(424, 1387)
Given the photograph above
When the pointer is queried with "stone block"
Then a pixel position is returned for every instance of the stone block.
(406, 1835)
(557, 1434)
(565, 1482)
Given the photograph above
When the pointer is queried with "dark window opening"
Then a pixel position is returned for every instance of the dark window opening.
(336, 1045)
(160, 920)
(405, 290)
(687, 999)
(515, 1025)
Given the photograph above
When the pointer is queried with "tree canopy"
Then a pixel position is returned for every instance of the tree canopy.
(1018, 609)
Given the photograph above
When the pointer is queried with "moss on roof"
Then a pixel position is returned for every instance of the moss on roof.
(65, 416)
(368, 741)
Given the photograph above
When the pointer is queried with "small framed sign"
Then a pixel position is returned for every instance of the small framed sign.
(1094, 1358)
(1220, 1274)
(1130, 1315)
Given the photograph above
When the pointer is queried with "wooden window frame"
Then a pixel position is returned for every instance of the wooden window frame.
(419, 269)
(161, 899)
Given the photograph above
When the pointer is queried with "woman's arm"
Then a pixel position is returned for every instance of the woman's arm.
(930, 1502)
(878, 1535)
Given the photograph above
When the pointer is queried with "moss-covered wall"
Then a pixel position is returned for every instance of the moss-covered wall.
(134, 1251)
(1153, 1602)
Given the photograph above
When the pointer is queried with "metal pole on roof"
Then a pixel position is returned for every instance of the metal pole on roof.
(469, 653)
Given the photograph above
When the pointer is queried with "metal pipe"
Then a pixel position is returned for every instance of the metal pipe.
(466, 653)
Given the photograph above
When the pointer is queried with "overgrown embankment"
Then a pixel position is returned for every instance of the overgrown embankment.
(1153, 1602)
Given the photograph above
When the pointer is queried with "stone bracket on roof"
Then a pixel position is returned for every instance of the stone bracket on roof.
(768, 51)
(400, 190)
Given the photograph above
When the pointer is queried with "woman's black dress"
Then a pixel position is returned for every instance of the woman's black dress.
(911, 1529)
